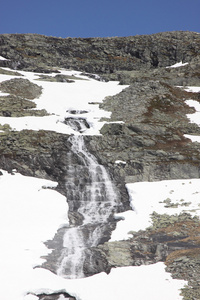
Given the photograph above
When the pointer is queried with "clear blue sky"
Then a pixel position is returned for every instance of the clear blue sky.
(102, 18)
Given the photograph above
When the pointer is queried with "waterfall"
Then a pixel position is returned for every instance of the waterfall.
(88, 187)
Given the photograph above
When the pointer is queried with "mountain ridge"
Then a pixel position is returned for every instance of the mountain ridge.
(98, 55)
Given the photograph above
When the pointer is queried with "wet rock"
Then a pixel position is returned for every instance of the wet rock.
(77, 112)
(78, 124)
(95, 262)
(75, 218)
(56, 296)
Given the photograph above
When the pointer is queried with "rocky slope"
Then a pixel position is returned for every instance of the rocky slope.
(99, 55)
(150, 140)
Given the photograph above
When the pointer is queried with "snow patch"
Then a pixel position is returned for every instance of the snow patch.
(193, 89)
(3, 94)
(120, 162)
(3, 58)
(121, 283)
(194, 118)
(177, 65)
(164, 197)
(58, 98)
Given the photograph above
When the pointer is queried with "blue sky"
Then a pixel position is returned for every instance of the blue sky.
(103, 18)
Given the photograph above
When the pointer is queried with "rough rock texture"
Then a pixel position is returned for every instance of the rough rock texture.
(56, 296)
(98, 55)
(150, 138)
(21, 87)
(15, 106)
(18, 103)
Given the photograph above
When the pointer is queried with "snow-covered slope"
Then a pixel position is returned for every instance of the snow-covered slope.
(59, 99)
(28, 207)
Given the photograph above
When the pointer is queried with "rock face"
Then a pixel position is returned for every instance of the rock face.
(98, 55)
(150, 141)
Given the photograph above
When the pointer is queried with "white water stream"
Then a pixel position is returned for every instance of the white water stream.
(90, 186)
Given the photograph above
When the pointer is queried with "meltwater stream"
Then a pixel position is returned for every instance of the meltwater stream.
(90, 186)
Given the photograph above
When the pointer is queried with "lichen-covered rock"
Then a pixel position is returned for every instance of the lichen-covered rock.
(150, 139)
(21, 87)
(59, 78)
(9, 72)
(16, 106)
(18, 103)
(98, 55)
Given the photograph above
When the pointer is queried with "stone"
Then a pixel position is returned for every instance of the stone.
(21, 87)
(129, 53)
(56, 296)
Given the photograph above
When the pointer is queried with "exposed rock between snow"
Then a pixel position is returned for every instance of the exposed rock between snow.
(150, 140)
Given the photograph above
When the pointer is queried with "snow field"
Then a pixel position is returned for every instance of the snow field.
(142, 283)
(58, 98)
(164, 197)
(31, 214)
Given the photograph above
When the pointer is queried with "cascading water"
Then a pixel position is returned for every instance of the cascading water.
(89, 185)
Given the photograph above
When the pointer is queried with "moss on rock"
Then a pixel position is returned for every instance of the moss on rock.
(21, 87)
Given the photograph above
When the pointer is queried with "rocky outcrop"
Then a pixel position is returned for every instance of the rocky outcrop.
(151, 138)
(18, 103)
(21, 87)
(56, 296)
(98, 55)
(171, 239)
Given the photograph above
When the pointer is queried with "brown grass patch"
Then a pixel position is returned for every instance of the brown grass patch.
(190, 228)
(180, 253)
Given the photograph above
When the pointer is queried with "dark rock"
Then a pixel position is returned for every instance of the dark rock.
(6, 113)
(78, 124)
(95, 262)
(77, 112)
(56, 296)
